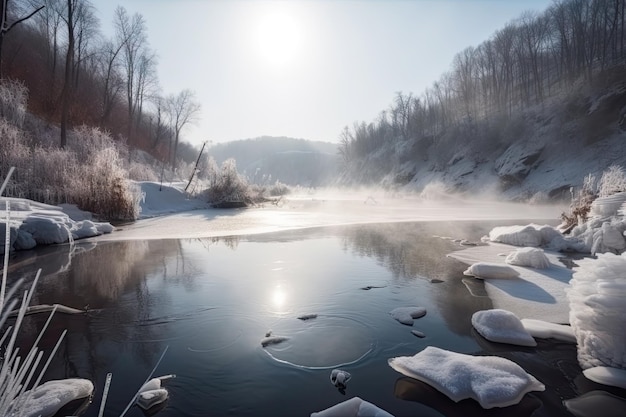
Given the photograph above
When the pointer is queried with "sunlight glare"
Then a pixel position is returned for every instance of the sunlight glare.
(279, 297)
(278, 38)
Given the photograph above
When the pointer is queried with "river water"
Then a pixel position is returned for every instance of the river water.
(210, 301)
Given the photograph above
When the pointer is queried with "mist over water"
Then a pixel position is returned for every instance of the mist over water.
(332, 207)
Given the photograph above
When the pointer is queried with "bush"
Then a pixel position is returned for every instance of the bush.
(228, 186)
(13, 98)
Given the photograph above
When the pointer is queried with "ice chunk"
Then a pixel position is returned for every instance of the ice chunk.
(546, 330)
(488, 270)
(597, 310)
(354, 407)
(405, 315)
(501, 326)
(589, 404)
(607, 376)
(48, 398)
(273, 340)
(305, 317)
(531, 257)
(491, 380)
(339, 377)
(150, 398)
(418, 333)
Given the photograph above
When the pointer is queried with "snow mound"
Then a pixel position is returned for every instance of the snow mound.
(516, 235)
(597, 310)
(546, 330)
(354, 407)
(488, 270)
(405, 315)
(600, 235)
(531, 257)
(501, 326)
(491, 380)
(48, 398)
(607, 376)
(151, 393)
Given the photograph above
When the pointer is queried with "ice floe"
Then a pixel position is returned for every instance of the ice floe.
(50, 397)
(405, 315)
(530, 257)
(502, 326)
(491, 380)
(541, 329)
(606, 375)
(536, 294)
(305, 317)
(488, 270)
(354, 407)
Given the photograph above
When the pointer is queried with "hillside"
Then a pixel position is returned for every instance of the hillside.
(526, 114)
(538, 154)
(291, 161)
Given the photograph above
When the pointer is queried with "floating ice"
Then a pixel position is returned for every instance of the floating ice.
(501, 326)
(588, 405)
(546, 330)
(339, 377)
(151, 393)
(307, 317)
(273, 340)
(405, 315)
(354, 407)
(607, 376)
(488, 270)
(48, 398)
(491, 380)
(597, 310)
(530, 257)
(418, 333)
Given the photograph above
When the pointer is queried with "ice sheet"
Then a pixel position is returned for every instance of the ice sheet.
(535, 294)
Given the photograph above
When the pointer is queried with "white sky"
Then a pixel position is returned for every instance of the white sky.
(306, 69)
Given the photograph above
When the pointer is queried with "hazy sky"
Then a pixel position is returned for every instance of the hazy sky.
(306, 69)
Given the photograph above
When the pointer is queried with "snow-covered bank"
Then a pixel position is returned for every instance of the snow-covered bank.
(33, 224)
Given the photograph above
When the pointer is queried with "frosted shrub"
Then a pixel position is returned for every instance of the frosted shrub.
(229, 185)
(141, 172)
(613, 181)
(13, 98)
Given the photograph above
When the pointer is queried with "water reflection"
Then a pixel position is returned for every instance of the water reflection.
(212, 300)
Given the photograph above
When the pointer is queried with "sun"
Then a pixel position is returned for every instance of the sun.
(278, 39)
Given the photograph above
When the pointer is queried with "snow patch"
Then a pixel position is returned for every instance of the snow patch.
(50, 397)
(530, 257)
(545, 330)
(354, 407)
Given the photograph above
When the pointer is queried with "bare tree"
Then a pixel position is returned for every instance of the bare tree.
(131, 35)
(5, 27)
(183, 109)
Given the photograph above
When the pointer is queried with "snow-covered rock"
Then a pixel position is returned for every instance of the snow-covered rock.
(530, 257)
(491, 380)
(48, 398)
(405, 315)
(489, 270)
(606, 375)
(607, 206)
(596, 297)
(501, 326)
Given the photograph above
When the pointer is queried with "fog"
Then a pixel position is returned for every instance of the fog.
(330, 207)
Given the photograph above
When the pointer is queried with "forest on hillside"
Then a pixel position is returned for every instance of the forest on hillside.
(541, 70)
(74, 75)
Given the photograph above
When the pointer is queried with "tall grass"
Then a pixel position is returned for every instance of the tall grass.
(17, 372)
